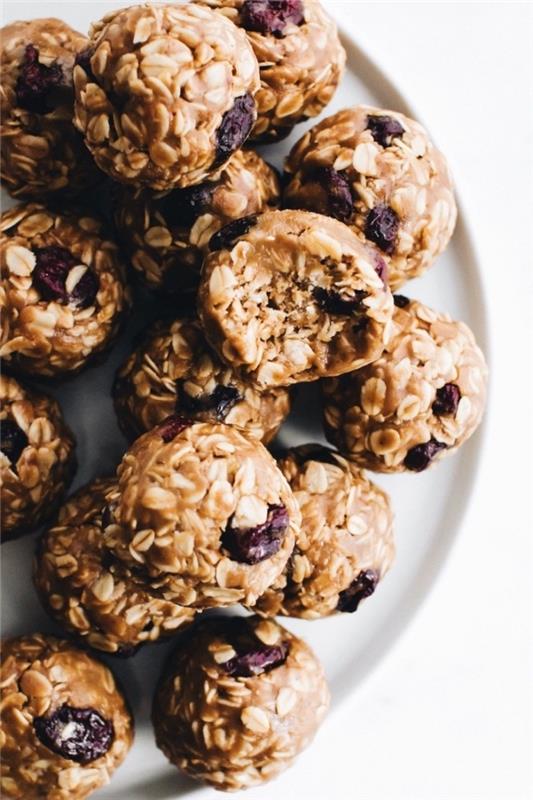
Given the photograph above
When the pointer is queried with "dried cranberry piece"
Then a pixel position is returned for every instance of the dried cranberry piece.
(235, 128)
(332, 302)
(36, 81)
(79, 734)
(420, 456)
(338, 191)
(400, 300)
(182, 207)
(384, 128)
(447, 399)
(252, 545)
(381, 227)
(83, 60)
(271, 16)
(226, 236)
(13, 440)
(52, 265)
(171, 426)
(380, 265)
(221, 400)
(257, 660)
(363, 586)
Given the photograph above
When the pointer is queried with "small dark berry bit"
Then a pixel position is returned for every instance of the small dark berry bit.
(79, 734)
(220, 401)
(227, 235)
(400, 300)
(381, 227)
(313, 452)
(384, 128)
(13, 440)
(380, 266)
(447, 399)
(363, 586)
(257, 660)
(171, 426)
(271, 16)
(420, 456)
(36, 81)
(235, 128)
(181, 207)
(252, 545)
(83, 60)
(52, 266)
(338, 192)
(332, 302)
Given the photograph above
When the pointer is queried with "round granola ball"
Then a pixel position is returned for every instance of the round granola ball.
(238, 701)
(41, 151)
(88, 591)
(167, 233)
(378, 172)
(37, 457)
(175, 371)
(291, 296)
(417, 403)
(63, 291)
(301, 60)
(165, 94)
(204, 510)
(345, 545)
(66, 726)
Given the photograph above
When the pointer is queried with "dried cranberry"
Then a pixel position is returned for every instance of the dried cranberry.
(381, 227)
(235, 128)
(271, 16)
(384, 128)
(332, 302)
(400, 300)
(380, 265)
(313, 452)
(52, 265)
(227, 235)
(171, 426)
(13, 440)
(363, 586)
(339, 200)
(79, 734)
(257, 660)
(420, 456)
(83, 60)
(447, 399)
(182, 207)
(36, 81)
(252, 545)
(221, 400)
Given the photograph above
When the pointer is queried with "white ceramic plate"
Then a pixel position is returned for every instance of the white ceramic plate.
(428, 507)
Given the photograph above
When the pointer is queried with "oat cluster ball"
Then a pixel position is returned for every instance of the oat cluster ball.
(167, 233)
(62, 290)
(66, 726)
(239, 699)
(165, 93)
(378, 172)
(301, 60)
(41, 152)
(415, 404)
(37, 457)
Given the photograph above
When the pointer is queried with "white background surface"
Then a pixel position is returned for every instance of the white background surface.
(447, 716)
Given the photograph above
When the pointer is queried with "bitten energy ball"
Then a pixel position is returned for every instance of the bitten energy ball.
(65, 724)
(239, 700)
(301, 59)
(165, 94)
(291, 296)
(345, 544)
(418, 402)
(63, 291)
(378, 172)
(206, 511)
(167, 233)
(175, 371)
(37, 457)
(89, 592)
(41, 152)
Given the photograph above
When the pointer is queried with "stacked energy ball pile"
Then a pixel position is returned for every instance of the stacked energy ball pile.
(280, 287)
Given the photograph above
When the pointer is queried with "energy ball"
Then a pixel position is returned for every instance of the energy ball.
(417, 403)
(175, 371)
(206, 511)
(89, 592)
(37, 457)
(66, 726)
(165, 94)
(167, 233)
(63, 291)
(41, 151)
(291, 296)
(301, 60)
(378, 172)
(345, 544)
(238, 701)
